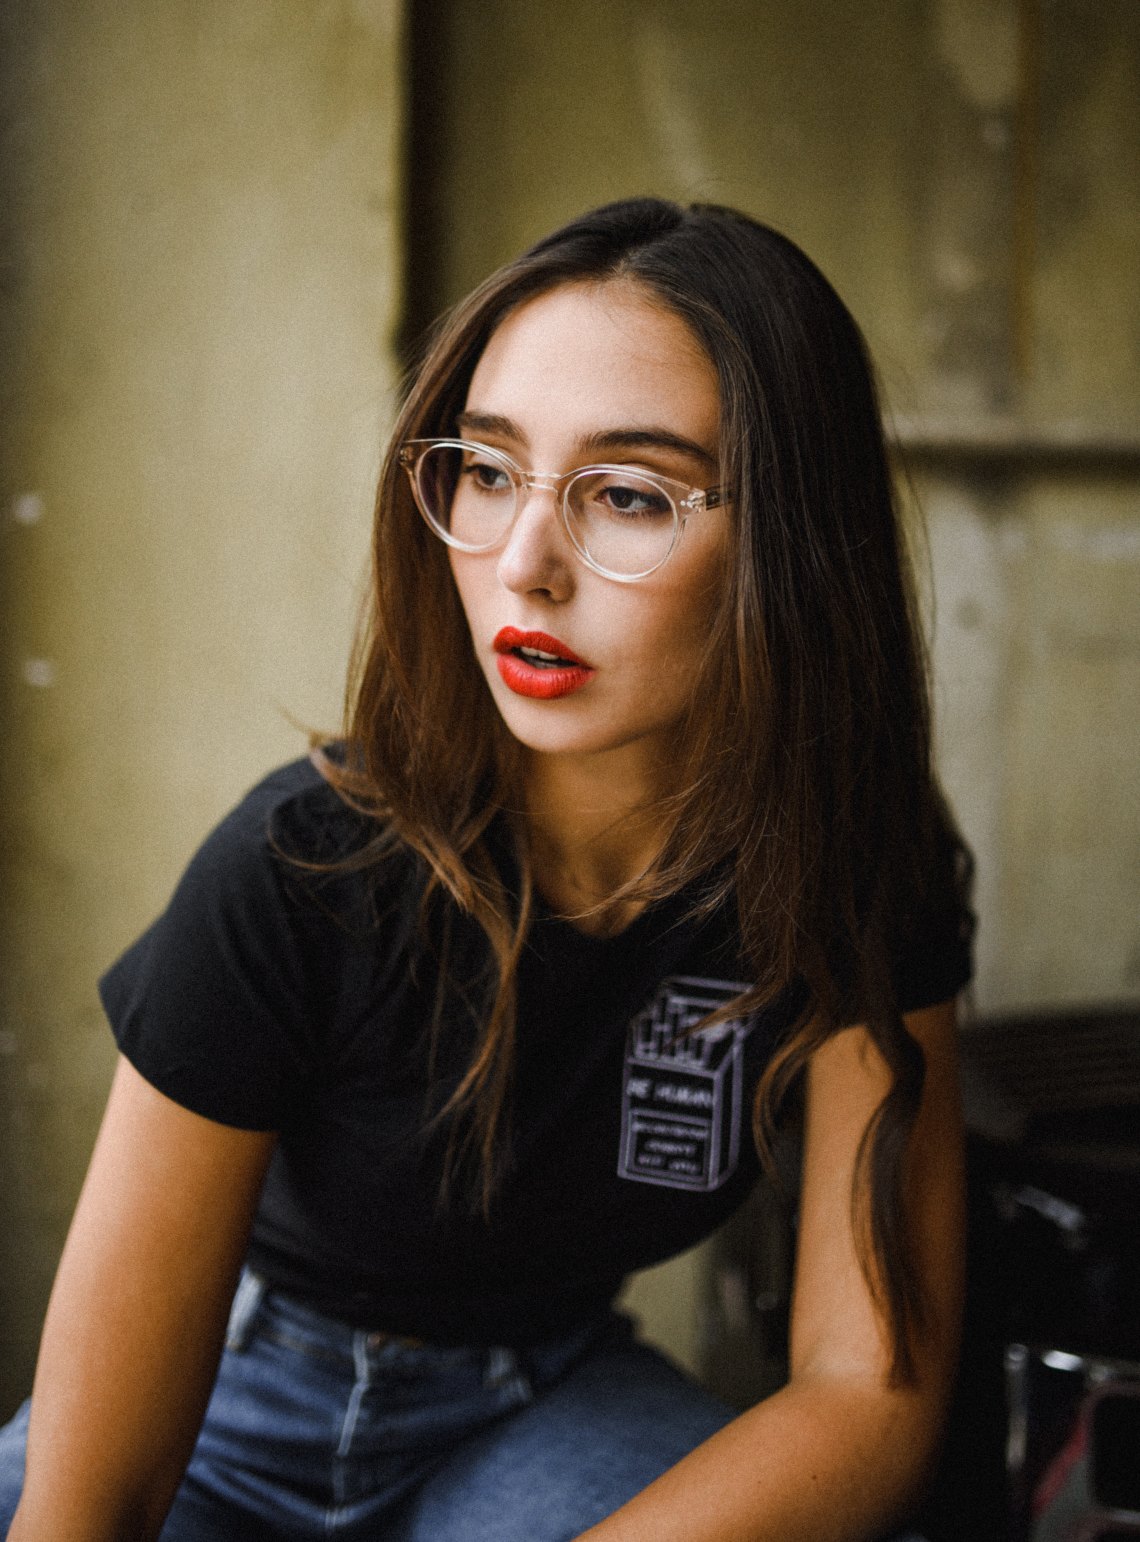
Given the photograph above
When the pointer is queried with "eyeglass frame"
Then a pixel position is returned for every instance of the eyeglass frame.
(412, 451)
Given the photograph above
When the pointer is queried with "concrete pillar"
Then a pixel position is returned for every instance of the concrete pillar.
(201, 291)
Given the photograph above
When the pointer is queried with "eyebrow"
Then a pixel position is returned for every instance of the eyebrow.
(650, 437)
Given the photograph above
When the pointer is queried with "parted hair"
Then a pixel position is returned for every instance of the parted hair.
(805, 796)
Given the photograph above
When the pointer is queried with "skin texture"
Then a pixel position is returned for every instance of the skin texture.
(136, 1319)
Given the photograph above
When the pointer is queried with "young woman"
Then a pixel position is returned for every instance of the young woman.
(631, 835)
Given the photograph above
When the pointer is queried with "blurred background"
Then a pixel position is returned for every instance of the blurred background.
(225, 225)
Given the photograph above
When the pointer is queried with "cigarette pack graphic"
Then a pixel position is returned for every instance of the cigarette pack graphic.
(683, 1088)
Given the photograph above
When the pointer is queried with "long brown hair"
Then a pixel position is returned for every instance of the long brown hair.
(806, 798)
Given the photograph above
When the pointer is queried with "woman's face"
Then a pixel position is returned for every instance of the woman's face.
(594, 373)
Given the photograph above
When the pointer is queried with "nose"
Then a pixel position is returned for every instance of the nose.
(537, 556)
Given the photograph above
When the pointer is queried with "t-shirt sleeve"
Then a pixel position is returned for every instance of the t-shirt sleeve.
(211, 1004)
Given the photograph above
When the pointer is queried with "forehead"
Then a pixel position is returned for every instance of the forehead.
(595, 356)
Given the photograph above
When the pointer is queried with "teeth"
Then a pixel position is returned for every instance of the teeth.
(539, 657)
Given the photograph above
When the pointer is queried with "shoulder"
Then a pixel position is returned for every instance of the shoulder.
(294, 845)
(230, 999)
(294, 814)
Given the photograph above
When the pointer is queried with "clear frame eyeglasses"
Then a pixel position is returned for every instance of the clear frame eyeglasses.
(623, 521)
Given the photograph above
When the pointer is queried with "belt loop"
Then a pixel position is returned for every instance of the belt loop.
(247, 1300)
(503, 1368)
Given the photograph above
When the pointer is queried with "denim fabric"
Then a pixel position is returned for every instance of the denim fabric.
(12, 1439)
(319, 1430)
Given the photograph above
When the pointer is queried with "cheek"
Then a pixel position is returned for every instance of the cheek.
(682, 626)
(666, 650)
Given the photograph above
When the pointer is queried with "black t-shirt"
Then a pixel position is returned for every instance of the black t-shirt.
(274, 994)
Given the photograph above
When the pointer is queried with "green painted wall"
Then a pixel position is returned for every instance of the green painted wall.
(200, 295)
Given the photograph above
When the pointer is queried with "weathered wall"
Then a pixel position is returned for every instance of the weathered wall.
(201, 276)
(968, 173)
(1034, 502)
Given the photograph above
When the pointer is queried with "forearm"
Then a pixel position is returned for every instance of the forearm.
(112, 1427)
(823, 1460)
(103, 1466)
(90, 1518)
(136, 1319)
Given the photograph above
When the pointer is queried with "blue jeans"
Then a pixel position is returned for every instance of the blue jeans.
(318, 1430)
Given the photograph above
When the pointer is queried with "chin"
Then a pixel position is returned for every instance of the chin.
(551, 738)
(546, 730)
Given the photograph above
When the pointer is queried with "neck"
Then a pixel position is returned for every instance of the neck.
(594, 825)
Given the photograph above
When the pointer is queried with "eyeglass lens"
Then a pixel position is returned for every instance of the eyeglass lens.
(622, 521)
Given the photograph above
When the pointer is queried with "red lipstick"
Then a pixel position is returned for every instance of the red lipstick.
(537, 665)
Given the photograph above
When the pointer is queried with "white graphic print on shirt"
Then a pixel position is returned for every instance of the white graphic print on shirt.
(682, 1089)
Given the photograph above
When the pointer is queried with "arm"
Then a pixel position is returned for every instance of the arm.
(137, 1316)
(837, 1455)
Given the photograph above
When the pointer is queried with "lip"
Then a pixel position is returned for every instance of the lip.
(541, 682)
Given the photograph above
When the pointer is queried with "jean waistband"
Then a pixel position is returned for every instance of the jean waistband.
(259, 1306)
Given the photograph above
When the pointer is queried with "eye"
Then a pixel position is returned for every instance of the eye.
(485, 476)
(629, 497)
